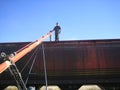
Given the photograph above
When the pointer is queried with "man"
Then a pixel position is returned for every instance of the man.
(57, 30)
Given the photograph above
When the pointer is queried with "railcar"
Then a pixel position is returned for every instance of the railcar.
(67, 62)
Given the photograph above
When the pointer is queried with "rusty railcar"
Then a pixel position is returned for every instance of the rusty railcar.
(68, 62)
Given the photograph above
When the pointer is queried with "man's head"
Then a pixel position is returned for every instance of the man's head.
(57, 24)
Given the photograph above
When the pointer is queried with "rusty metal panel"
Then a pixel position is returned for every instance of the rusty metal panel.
(71, 58)
(80, 57)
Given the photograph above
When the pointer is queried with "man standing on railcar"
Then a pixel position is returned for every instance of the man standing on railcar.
(57, 30)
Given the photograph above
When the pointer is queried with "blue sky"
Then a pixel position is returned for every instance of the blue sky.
(28, 20)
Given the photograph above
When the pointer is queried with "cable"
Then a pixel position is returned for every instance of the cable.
(44, 62)
(28, 60)
(31, 65)
(31, 69)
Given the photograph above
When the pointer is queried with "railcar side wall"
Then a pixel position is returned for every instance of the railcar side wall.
(86, 59)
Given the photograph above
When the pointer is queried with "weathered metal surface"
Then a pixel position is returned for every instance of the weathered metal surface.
(88, 61)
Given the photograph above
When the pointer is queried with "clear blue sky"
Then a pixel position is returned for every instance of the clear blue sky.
(28, 20)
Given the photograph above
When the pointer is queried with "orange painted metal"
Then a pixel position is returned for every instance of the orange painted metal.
(23, 51)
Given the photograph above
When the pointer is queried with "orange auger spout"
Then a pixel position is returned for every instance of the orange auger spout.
(22, 52)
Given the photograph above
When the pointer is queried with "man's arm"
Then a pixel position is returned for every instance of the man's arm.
(59, 29)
